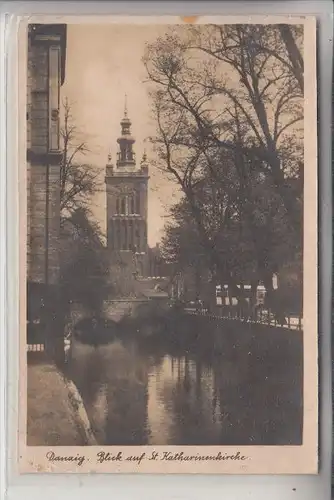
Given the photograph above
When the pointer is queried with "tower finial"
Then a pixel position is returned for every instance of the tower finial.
(126, 106)
(144, 158)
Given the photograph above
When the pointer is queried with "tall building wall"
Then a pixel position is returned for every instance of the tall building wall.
(28, 176)
(46, 54)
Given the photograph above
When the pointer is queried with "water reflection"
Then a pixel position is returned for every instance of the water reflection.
(136, 397)
(183, 407)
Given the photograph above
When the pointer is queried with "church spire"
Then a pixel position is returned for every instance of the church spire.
(126, 156)
(144, 157)
(125, 106)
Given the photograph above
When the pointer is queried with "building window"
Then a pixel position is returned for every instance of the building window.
(132, 205)
(123, 206)
(131, 242)
(117, 206)
(137, 203)
(118, 234)
(140, 268)
(123, 245)
(111, 235)
(54, 84)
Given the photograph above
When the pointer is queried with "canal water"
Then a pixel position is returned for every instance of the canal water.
(159, 396)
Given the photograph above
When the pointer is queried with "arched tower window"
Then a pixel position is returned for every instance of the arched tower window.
(118, 234)
(129, 153)
(124, 238)
(111, 236)
(138, 242)
(137, 202)
(140, 268)
(132, 205)
(123, 205)
(131, 242)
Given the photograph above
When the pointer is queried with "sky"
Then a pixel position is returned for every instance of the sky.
(103, 63)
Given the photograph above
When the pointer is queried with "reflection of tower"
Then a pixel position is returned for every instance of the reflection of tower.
(127, 202)
(127, 396)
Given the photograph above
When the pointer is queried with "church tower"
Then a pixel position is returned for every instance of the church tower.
(127, 189)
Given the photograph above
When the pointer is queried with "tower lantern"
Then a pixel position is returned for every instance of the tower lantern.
(126, 155)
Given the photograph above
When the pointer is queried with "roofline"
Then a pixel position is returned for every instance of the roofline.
(49, 33)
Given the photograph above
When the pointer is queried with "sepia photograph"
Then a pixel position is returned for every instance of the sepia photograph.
(165, 289)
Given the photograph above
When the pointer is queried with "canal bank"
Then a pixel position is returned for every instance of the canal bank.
(56, 412)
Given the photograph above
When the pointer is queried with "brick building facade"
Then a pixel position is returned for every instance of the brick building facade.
(46, 73)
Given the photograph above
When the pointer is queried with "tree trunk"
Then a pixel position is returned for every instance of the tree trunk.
(294, 54)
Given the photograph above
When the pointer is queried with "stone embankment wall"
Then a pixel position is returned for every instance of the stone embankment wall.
(117, 309)
(113, 309)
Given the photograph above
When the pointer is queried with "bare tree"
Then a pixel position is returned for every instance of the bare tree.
(239, 71)
(79, 181)
(290, 35)
(83, 259)
(228, 108)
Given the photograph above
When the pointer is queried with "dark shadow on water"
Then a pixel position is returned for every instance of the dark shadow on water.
(96, 331)
(181, 380)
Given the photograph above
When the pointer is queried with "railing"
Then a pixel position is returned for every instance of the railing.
(39, 345)
(35, 337)
(260, 316)
(35, 347)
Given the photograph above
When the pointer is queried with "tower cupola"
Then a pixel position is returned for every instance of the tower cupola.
(126, 155)
(143, 163)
